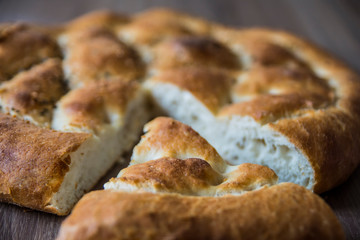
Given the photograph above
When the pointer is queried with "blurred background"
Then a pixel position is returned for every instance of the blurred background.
(332, 24)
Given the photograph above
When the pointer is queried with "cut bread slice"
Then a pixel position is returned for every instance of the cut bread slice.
(114, 125)
(173, 158)
(30, 176)
(70, 162)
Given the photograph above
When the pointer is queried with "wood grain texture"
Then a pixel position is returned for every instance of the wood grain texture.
(332, 24)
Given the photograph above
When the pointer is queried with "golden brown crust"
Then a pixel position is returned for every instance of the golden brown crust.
(259, 80)
(33, 162)
(96, 53)
(189, 176)
(173, 158)
(194, 51)
(269, 108)
(209, 86)
(22, 46)
(248, 177)
(170, 138)
(320, 136)
(342, 80)
(92, 105)
(34, 92)
(270, 213)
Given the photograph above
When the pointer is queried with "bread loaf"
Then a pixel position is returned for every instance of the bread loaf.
(74, 97)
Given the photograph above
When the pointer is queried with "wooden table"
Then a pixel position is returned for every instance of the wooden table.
(333, 24)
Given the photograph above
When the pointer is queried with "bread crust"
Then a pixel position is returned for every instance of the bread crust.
(33, 162)
(270, 213)
(96, 53)
(173, 158)
(22, 46)
(176, 140)
(90, 107)
(185, 176)
(35, 92)
(210, 86)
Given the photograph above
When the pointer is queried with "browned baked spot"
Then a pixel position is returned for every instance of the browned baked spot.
(266, 53)
(188, 176)
(210, 86)
(194, 51)
(270, 108)
(282, 79)
(91, 105)
(96, 53)
(34, 92)
(22, 46)
(272, 212)
(192, 176)
(172, 139)
(33, 161)
(248, 177)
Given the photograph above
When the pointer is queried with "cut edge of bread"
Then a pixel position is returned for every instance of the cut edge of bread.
(238, 139)
(96, 156)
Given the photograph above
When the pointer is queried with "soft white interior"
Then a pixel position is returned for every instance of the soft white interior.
(247, 141)
(237, 139)
(181, 105)
(125, 187)
(95, 156)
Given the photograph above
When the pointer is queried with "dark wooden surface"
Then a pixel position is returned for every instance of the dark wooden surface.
(332, 24)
